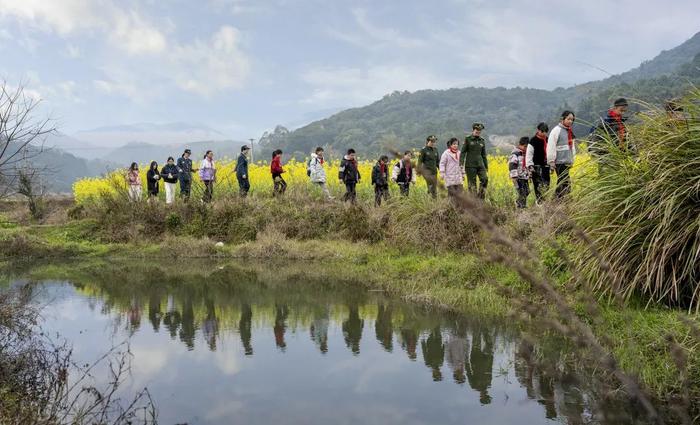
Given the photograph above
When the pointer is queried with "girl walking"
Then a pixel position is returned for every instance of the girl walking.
(170, 177)
(133, 180)
(207, 172)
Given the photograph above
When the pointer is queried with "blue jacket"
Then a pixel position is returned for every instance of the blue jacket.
(242, 167)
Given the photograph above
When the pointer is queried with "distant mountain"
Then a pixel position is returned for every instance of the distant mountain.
(59, 169)
(144, 153)
(157, 134)
(401, 119)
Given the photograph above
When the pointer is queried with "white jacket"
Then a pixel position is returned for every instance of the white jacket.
(318, 173)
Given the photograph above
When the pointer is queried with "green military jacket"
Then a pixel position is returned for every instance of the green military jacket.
(474, 153)
(429, 159)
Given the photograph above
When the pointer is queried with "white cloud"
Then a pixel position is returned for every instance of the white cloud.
(375, 36)
(357, 86)
(126, 29)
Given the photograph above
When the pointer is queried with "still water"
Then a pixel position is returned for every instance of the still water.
(242, 350)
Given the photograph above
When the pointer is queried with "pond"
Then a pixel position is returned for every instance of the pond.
(236, 347)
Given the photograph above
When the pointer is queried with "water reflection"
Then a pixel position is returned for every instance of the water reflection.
(330, 321)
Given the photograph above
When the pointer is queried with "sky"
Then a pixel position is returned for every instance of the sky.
(243, 66)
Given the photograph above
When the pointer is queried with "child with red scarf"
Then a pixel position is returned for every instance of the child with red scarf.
(403, 173)
(519, 173)
(561, 151)
(350, 175)
(280, 186)
(611, 133)
(380, 180)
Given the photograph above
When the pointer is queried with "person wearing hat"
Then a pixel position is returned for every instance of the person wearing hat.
(428, 162)
(473, 159)
(184, 168)
(242, 171)
(611, 130)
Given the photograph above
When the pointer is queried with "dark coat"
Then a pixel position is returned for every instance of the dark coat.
(184, 167)
(349, 173)
(152, 179)
(474, 153)
(429, 158)
(379, 178)
(608, 131)
(242, 167)
(540, 154)
(169, 169)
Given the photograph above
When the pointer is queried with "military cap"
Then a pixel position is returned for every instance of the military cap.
(477, 126)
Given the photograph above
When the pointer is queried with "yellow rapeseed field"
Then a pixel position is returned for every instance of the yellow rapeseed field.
(500, 190)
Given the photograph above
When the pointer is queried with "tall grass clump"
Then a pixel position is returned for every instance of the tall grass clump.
(643, 211)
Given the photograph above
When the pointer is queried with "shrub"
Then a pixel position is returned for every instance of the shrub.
(643, 211)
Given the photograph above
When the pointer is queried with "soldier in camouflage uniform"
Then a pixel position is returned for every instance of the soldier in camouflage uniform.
(473, 159)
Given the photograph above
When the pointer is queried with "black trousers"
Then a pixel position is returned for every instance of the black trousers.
(381, 191)
(208, 190)
(243, 187)
(350, 193)
(523, 189)
(185, 187)
(563, 180)
(540, 181)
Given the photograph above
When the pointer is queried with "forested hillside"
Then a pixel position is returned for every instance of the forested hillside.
(402, 119)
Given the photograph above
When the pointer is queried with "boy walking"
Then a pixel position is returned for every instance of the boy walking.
(380, 180)
(317, 172)
(536, 161)
(242, 172)
(350, 175)
(403, 173)
(519, 173)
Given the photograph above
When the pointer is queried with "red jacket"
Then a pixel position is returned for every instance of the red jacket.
(276, 166)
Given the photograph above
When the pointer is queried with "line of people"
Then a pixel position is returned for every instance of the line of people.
(533, 159)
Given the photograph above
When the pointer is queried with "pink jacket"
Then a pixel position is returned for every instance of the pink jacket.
(133, 178)
(450, 170)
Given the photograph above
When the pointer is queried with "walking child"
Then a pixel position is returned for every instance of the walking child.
(561, 152)
(536, 161)
(242, 172)
(317, 172)
(519, 173)
(207, 172)
(380, 180)
(350, 175)
(170, 176)
(451, 169)
(279, 186)
(133, 180)
(152, 180)
(403, 173)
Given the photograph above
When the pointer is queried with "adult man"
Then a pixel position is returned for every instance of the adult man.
(428, 161)
(611, 130)
(242, 172)
(473, 159)
(536, 161)
(184, 169)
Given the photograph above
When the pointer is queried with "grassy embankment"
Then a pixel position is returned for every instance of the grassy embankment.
(393, 252)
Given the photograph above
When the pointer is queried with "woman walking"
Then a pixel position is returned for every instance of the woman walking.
(170, 176)
(152, 179)
(207, 172)
(133, 179)
(561, 151)
(450, 169)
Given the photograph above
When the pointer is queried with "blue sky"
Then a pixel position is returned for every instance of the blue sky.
(242, 66)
